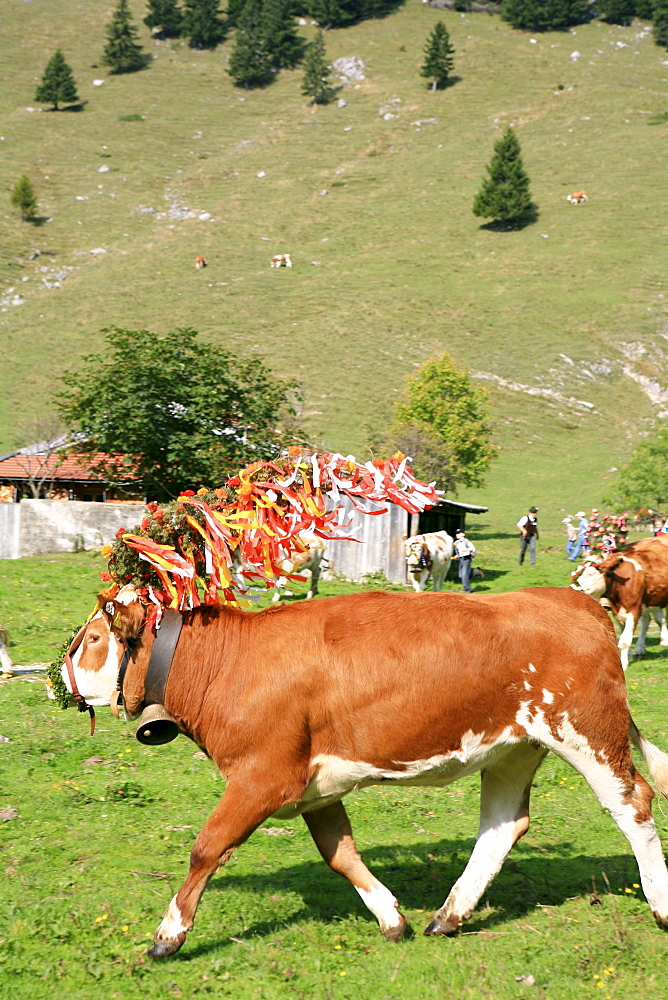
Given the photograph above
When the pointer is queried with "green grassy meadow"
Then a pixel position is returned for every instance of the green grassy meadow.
(103, 829)
(563, 321)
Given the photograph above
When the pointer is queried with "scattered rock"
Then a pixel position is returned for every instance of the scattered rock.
(98, 250)
(262, 174)
(341, 103)
(527, 980)
(349, 68)
(104, 169)
(98, 83)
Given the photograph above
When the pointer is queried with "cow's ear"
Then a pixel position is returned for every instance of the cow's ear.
(127, 619)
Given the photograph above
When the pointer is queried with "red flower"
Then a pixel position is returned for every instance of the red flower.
(152, 506)
(121, 532)
(144, 524)
(106, 577)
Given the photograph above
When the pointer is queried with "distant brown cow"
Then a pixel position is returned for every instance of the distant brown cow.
(578, 198)
(200, 261)
(300, 704)
(630, 583)
(281, 260)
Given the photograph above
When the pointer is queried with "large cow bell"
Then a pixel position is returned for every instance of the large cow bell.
(156, 726)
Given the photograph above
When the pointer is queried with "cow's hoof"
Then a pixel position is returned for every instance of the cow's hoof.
(396, 933)
(163, 949)
(443, 928)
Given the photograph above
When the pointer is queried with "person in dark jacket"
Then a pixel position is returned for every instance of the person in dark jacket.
(528, 525)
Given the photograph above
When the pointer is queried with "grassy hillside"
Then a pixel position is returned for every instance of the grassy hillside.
(563, 321)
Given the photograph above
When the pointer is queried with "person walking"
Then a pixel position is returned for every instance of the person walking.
(572, 543)
(464, 553)
(528, 525)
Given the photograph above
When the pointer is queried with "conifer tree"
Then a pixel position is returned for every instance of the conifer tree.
(334, 13)
(316, 83)
(660, 22)
(203, 24)
(250, 60)
(122, 53)
(57, 86)
(616, 11)
(438, 62)
(644, 9)
(165, 15)
(504, 195)
(23, 198)
(234, 10)
(545, 15)
(285, 45)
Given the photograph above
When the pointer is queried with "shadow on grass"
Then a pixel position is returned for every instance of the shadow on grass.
(527, 218)
(423, 880)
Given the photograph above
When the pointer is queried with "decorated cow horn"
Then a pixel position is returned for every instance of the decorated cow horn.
(156, 726)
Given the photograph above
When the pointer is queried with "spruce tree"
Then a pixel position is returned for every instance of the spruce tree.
(316, 83)
(122, 53)
(644, 9)
(545, 15)
(166, 16)
(284, 44)
(23, 198)
(203, 24)
(616, 11)
(234, 10)
(438, 62)
(660, 22)
(334, 13)
(250, 60)
(504, 195)
(57, 86)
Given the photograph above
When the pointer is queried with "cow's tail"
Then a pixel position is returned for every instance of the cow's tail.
(656, 760)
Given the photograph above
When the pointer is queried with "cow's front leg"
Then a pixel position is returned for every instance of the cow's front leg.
(333, 836)
(245, 804)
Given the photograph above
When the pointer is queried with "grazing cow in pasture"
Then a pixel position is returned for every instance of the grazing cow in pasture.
(302, 703)
(200, 261)
(578, 198)
(312, 561)
(630, 584)
(281, 260)
(428, 555)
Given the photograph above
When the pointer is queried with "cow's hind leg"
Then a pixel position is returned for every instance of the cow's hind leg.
(628, 798)
(642, 633)
(504, 818)
(333, 836)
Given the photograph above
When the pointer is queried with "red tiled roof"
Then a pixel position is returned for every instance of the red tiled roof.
(72, 467)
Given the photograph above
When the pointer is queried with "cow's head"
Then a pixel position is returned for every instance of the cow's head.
(591, 581)
(417, 554)
(100, 645)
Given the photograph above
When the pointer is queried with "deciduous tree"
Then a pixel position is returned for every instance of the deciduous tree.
(57, 86)
(438, 62)
(504, 195)
(176, 411)
(643, 482)
(122, 53)
(442, 422)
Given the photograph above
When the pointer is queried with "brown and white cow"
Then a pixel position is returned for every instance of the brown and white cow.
(200, 261)
(281, 260)
(300, 704)
(631, 583)
(428, 555)
(578, 198)
(311, 561)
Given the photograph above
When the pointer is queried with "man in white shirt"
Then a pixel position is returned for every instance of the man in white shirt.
(528, 526)
(464, 552)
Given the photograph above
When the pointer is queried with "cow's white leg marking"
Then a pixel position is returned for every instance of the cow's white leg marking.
(380, 901)
(504, 818)
(642, 632)
(660, 619)
(172, 924)
(623, 803)
(626, 638)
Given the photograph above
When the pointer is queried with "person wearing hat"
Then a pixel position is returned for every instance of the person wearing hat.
(464, 553)
(528, 525)
(583, 527)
